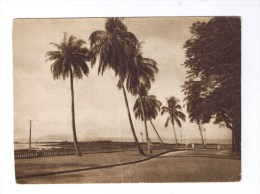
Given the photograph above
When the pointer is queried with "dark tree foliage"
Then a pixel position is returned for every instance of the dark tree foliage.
(213, 84)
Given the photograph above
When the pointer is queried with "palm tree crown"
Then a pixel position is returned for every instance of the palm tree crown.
(174, 111)
(175, 114)
(151, 106)
(113, 47)
(141, 71)
(71, 55)
(147, 107)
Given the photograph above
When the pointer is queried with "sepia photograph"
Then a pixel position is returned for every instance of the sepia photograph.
(127, 99)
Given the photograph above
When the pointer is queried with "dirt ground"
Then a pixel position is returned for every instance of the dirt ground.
(183, 166)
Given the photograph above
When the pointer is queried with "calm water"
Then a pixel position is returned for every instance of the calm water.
(18, 146)
(42, 145)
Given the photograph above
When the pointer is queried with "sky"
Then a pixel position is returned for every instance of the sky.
(99, 105)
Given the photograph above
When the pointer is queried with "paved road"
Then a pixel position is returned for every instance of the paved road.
(185, 166)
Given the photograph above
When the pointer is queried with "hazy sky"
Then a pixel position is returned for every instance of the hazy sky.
(99, 104)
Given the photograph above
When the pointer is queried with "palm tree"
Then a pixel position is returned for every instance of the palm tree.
(175, 114)
(195, 105)
(201, 129)
(141, 73)
(151, 108)
(113, 47)
(69, 60)
(195, 116)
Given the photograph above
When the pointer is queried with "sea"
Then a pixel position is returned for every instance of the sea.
(35, 146)
(51, 145)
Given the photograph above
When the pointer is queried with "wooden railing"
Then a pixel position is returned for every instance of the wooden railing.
(62, 152)
(44, 153)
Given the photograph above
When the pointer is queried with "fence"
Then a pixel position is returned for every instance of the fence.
(210, 146)
(44, 153)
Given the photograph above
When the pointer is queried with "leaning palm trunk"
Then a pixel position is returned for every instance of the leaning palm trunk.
(73, 115)
(157, 134)
(131, 123)
(145, 124)
(201, 135)
(174, 133)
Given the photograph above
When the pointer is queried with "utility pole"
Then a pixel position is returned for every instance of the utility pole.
(181, 137)
(30, 136)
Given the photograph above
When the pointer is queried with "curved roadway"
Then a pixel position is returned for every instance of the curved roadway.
(182, 166)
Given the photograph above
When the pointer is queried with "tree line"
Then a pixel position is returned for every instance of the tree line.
(213, 84)
(118, 49)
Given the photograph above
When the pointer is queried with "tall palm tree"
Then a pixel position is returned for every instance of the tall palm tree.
(69, 60)
(113, 47)
(141, 73)
(175, 114)
(151, 108)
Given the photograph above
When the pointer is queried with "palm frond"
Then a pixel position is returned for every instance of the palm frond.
(97, 38)
(138, 110)
(71, 54)
(78, 44)
(114, 24)
(131, 39)
(53, 55)
(165, 110)
(174, 111)
(181, 115)
(177, 106)
(176, 119)
(56, 45)
(71, 41)
(167, 122)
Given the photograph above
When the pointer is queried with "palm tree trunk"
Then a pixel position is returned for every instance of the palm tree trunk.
(131, 123)
(201, 135)
(174, 133)
(73, 115)
(157, 134)
(145, 124)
